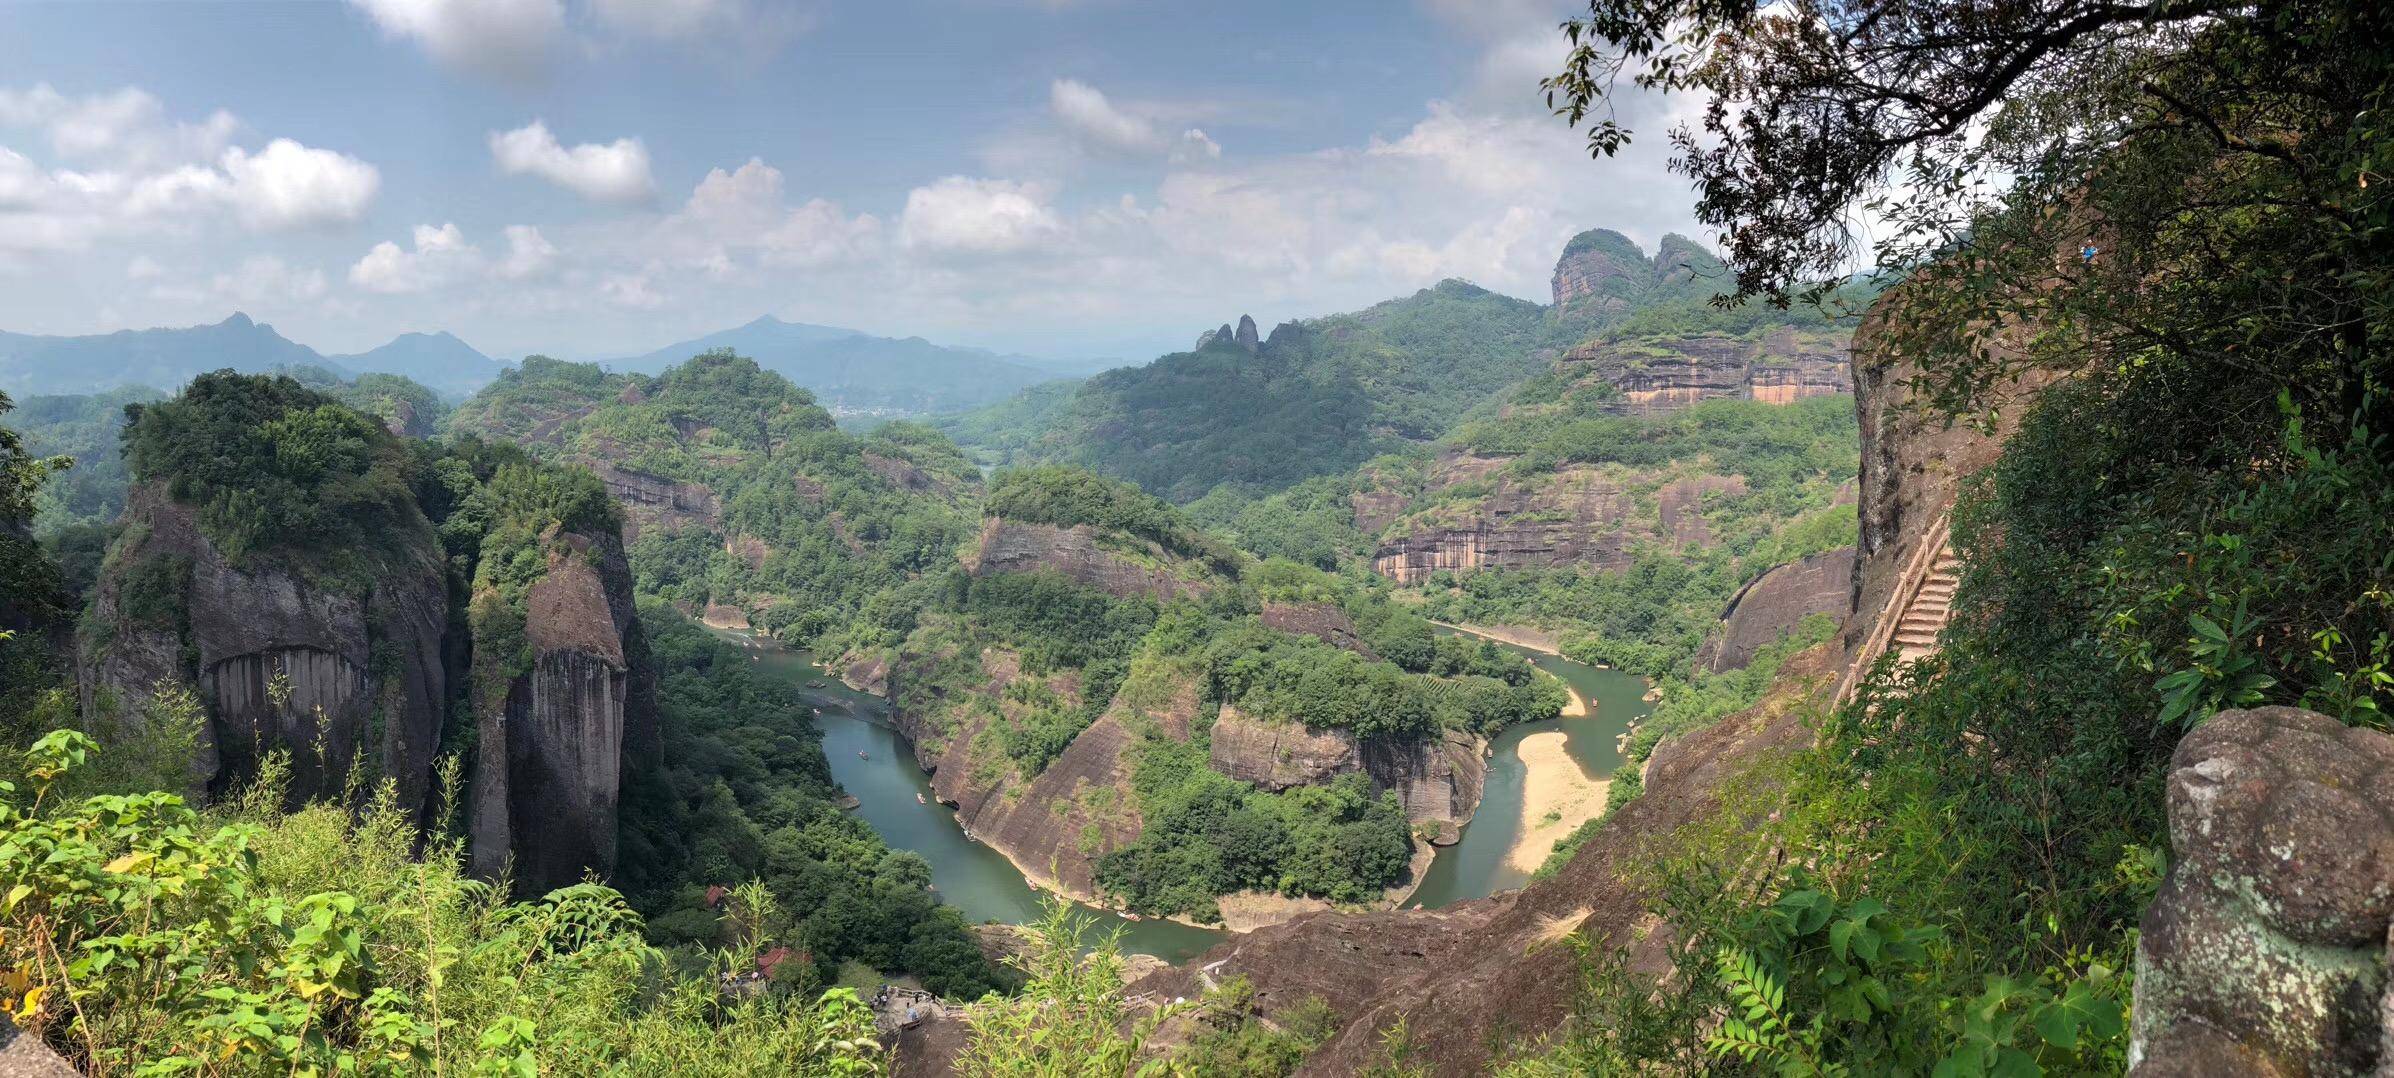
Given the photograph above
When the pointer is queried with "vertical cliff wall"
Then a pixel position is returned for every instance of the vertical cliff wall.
(555, 716)
(280, 660)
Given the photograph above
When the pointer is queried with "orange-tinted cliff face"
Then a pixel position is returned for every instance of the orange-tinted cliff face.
(1661, 375)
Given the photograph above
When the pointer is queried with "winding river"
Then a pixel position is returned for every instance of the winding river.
(872, 763)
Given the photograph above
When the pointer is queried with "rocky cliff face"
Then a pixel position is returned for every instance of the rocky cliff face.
(1437, 781)
(552, 737)
(653, 501)
(279, 660)
(1661, 375)
(1009, 547)
(1587, 516)
(1912, 462)
(1055, 825)
(2266, 952)
(1601, 270)
(1771, 604)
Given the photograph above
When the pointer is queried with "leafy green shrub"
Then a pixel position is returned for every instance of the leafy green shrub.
(142, 937)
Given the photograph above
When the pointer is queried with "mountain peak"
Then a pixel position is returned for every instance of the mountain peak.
(237, 320)
(1600, 265)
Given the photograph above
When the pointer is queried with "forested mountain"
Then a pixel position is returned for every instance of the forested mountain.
(855, 373)
(742, 492)
(439, 360)
(1254, 413)
(167, 358)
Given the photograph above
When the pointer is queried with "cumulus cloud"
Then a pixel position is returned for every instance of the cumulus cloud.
(616, 172)
(126, 127)
(121, 167)
(1094, 121)
(440, 256)
(745, 210)
(529, 254)
(964, 215)
(287, 185)
(506, 38)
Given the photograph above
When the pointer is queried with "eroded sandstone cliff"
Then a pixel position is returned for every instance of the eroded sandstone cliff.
(332, 672)
(1771, 604)
(555, 718)
(1589, 516)
(1131, 567)
(1661, 375)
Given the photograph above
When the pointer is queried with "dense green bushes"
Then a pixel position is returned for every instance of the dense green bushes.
(276, 467)
(144, 937)
(1207, 835)
(814, 523)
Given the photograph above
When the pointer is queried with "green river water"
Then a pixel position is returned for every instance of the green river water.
(872, 763)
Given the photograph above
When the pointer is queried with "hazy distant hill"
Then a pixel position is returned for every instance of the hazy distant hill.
(852, 372)
(163, 358)
(438, 360)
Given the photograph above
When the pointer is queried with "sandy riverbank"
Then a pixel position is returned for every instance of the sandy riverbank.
(1520, 636)
(1557, 796)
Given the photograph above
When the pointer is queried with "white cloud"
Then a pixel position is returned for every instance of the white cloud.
(744, 212)
(529, 254)
(143, 268)
(617, 172)
(126, 127)
(961, 214)
(287, 185)
(1088, 114)
(266, 279)
(441, 255)
(1096, 122)
(507, 38)
(680, 20)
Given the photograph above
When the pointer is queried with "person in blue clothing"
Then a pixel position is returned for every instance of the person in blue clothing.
(2086, 254)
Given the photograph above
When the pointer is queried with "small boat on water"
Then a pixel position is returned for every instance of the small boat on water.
(918, 799)
(815, 684)
(861, 755)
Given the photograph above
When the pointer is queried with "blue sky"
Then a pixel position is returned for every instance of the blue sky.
(601, 177)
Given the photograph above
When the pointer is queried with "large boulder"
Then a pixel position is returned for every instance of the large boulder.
(2266, 951)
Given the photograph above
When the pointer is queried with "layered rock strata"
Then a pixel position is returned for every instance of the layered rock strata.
(1592, 518)
(1661, 375)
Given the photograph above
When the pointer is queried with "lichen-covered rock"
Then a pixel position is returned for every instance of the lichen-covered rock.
(2266, 951)
(281, 661)
(552, 738)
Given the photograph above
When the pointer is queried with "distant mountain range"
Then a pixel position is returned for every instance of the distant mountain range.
(849, 372)
(855, 373)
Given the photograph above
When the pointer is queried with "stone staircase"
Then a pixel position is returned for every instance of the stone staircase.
(1917, 610)
(1930, 609)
